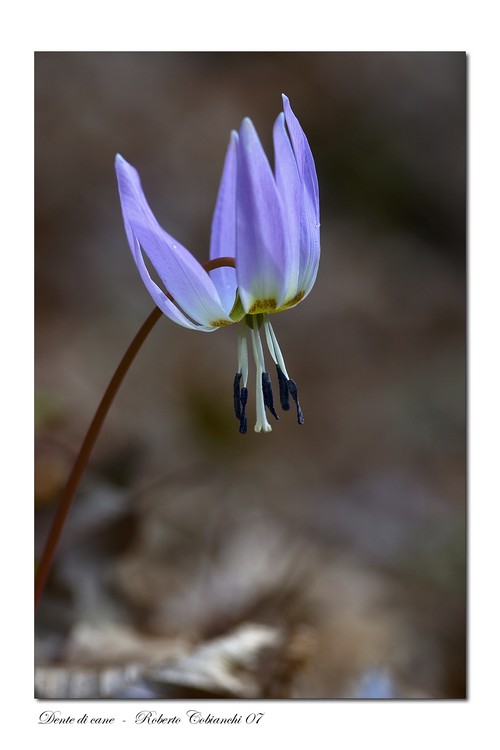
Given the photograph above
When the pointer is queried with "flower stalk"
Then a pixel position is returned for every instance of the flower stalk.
(45, 563)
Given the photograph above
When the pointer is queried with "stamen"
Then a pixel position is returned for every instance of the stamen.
(243, 353)
(237, 395)
(293, 391)
(267, 392)
(243, 403)
(240, 394)
(274, 348)
(283, 384)
(283, 377)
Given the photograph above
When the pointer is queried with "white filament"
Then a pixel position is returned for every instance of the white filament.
(274, 348)
(243, 354)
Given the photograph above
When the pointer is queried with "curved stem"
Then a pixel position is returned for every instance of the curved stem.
(80, 464)
(45, 564)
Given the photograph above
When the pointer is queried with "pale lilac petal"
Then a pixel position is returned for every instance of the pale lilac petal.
(262, 263)
(223, 237)
(184, 278)
(166, 306)
(309, 245)
(303, 153)
(309, 214)
(290, 191)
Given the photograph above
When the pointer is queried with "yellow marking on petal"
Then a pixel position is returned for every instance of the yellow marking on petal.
(263, 306)
(294, 301)
(222, 322)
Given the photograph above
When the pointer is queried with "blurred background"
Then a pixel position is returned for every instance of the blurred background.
(317, 562)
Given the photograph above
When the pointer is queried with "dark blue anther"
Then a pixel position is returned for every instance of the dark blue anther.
(283, 386)
(267, 392)
(243, 403)
(293, 391)
(236, 395)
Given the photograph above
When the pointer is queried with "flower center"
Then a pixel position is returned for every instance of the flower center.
(263, 306)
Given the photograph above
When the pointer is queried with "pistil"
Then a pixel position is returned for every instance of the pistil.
(261, 424)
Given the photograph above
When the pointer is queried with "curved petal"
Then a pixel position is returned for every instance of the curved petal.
(262, 263)
(303, 154)
(162, 301)
(223, 236)
(309, 220)
(309, 245)
(186, 280)
(290, 192)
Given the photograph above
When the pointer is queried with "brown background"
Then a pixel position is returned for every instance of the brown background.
(347, 534)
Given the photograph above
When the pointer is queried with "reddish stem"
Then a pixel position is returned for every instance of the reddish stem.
(45, 564)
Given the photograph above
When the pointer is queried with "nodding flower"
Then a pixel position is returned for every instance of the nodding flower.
(269, 224)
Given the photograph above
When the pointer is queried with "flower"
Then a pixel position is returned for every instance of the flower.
(269, 224)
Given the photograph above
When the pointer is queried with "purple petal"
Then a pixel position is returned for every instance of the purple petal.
(303, 154)
(262, 263)
(290, 191)
(223, 237)
(166, 306)
(184, 278)
(309, 220)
